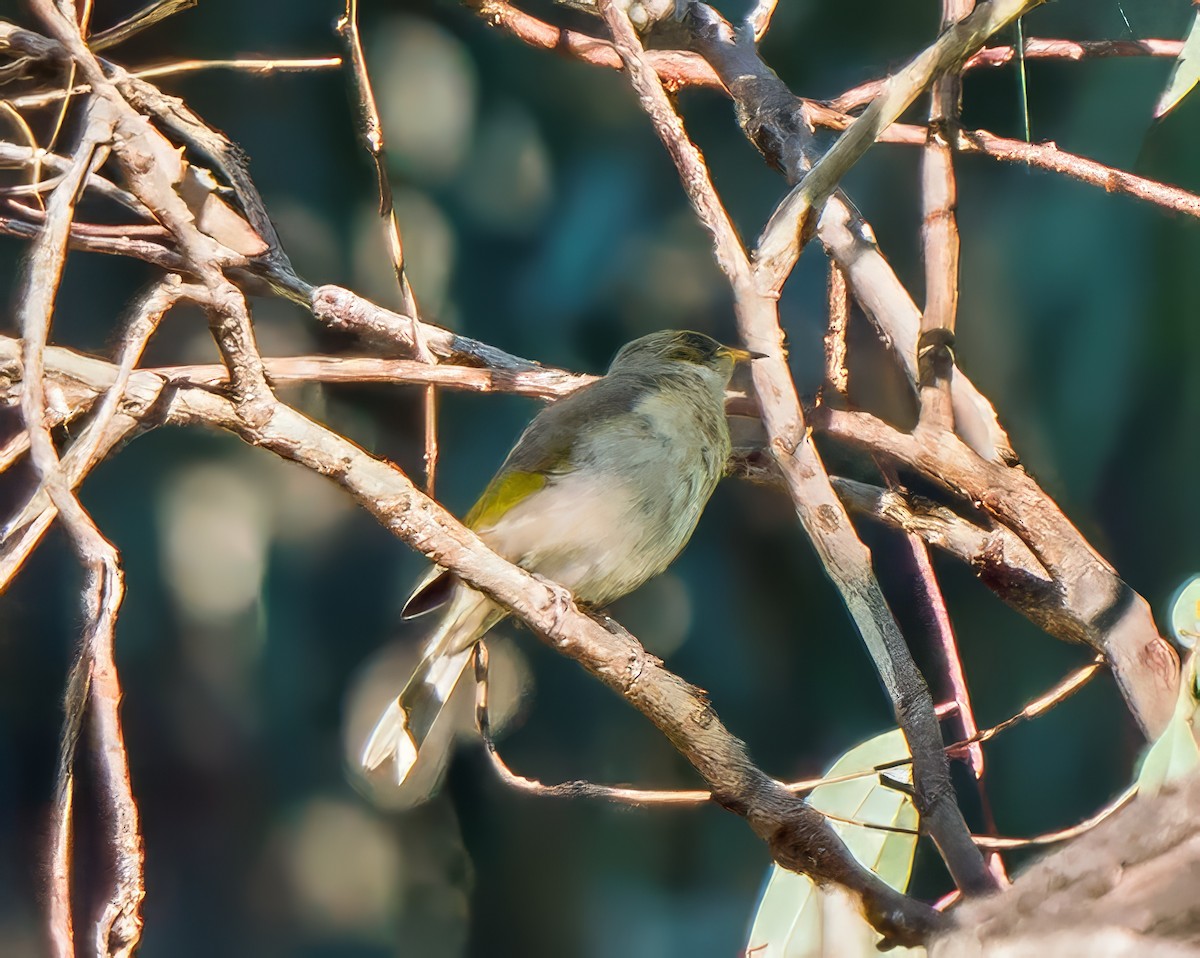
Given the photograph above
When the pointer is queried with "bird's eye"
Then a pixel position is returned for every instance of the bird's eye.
(686, 354)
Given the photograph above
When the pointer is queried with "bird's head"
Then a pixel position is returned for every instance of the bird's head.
(675, 349)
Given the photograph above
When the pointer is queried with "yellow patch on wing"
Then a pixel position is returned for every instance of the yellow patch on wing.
(502, 493)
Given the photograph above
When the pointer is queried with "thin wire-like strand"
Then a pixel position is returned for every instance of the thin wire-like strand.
(371, 132)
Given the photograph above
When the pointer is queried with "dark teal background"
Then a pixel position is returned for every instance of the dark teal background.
(556, 229)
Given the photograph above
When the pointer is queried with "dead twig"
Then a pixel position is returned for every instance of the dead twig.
(758, 20)
(676, 68)
(40, 280)
(777, 123)
(940, 240)
(154, 12)
(94, 679)
(1089, 602)
(371, 133)
(538, 383)
(787, 230)
(1039, 156)
(1035, 48)
(657, 798)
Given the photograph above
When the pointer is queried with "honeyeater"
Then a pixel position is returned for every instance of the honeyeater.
(600, 493)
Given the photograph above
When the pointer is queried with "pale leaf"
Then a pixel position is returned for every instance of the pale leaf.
(1175, 754)
(795, 918)
(1184, 73)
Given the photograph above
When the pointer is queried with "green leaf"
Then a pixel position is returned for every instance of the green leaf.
(1184, 74)
(1185, 613)
(1176, 753)
(795, 918)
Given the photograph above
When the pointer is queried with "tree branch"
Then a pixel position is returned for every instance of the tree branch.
(940, 240)
(821, 513)
(93, 678)
(1119, 890)
(776, 122)
(1035, 49)
(797, 836)
(786, 232)
(1089, 603)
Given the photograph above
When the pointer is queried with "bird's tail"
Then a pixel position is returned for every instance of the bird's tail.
(410, 717)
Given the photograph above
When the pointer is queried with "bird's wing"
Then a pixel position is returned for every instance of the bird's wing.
(547, 448)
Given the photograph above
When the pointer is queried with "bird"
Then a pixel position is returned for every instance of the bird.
(600, 493)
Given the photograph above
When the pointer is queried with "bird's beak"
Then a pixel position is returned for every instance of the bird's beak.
(741, 355)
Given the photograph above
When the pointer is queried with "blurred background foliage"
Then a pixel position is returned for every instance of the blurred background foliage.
(540, 214)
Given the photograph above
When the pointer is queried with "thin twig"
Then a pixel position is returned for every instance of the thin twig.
(154, 12)
(676, 68)
(150, 252)
(996, 843)
(1047, 156)
(538, 383)
(1062, 835)
(929, 594)
(640, 797)
(1042, 156)
(1058, 693)
(261, 66)
(1065, 688)
(787, 230)
(34, 157)
(101, 231)
(60, 115)
(371, 133)
(940, 240)
(1036, 48)
(34, 152)
(40, 281)
(579, 789)
(758, 20)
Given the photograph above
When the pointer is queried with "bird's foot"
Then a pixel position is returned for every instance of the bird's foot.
(560, 599)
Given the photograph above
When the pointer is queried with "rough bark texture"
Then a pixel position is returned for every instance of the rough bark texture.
(1129, 888)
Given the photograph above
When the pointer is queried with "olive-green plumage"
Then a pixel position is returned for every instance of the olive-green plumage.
(600, 493)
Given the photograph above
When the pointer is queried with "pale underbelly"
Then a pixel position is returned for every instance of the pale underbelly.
(601, 536)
